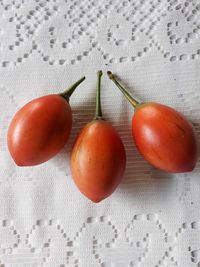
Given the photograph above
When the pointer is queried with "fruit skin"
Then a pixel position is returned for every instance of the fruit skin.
(39, 130)
(164, 137)
(98, 160)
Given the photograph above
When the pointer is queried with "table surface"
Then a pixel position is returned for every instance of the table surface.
(153, 218)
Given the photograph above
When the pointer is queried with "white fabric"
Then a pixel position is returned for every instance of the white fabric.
(153, 218)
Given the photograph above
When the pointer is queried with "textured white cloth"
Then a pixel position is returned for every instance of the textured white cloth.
(153, 218)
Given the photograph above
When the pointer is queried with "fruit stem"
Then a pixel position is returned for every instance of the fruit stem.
(129, 97)
(68, 92)
(98, 114)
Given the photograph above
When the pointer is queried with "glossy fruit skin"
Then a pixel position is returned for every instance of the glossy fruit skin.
(164, 137)
(39, 130)
(98, 160)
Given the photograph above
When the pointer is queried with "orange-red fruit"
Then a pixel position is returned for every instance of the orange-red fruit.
(39, 130)
(164, 137)
(98, 160)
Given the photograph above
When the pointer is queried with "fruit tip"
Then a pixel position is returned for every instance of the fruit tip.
(19, 164)
(96, 199)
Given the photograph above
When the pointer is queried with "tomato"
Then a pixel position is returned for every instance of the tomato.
(163, 136)
(40, 129)
(98, 157)
(98, 160)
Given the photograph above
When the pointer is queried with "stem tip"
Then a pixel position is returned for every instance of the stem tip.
(110, 75)
(99, 73)
(68, 92)
(133, 101)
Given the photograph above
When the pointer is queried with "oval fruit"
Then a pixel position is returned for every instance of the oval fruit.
(164, 137)
(98, 160)
(40, 129)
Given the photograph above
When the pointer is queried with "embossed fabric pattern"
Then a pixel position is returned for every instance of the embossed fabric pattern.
(153, 218)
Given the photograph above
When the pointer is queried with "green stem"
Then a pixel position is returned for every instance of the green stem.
(68, 92)
(133, 101)
(98, 114)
